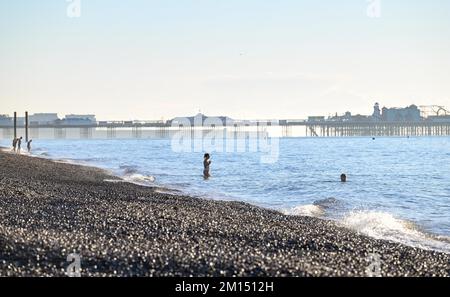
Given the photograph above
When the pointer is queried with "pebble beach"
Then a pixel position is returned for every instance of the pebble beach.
(49, 210)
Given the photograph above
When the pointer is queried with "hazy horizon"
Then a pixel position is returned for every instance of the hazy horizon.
(248, 59)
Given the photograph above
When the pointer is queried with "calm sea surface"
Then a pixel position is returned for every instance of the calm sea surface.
(397, 189)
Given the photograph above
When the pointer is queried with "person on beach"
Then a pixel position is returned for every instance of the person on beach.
(343, 178)
(206, 163)
(14, 144)
(19, 144)
(29, 145)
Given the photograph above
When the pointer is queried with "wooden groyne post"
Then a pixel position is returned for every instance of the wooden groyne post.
(15, 125)
(26, 126)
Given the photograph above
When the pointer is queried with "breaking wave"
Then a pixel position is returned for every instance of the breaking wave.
(382, 225)
(140, 179)
(309, 210)
(375, 224)
(137, 179)
(317, 209)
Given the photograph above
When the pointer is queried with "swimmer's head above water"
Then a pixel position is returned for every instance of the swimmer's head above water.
(343, 178)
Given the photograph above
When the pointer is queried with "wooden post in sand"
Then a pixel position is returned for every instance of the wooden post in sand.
(15, 125)
(26, 126)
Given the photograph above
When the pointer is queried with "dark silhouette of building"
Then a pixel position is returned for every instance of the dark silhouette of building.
(200, 120)
(376, 115)
(407, 114)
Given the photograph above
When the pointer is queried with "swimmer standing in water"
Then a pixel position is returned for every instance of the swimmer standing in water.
(14, 144)
(206, 163)
(19, 144)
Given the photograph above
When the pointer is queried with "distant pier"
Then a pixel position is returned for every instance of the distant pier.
(286, 127)
(384, 122)
(355, 129)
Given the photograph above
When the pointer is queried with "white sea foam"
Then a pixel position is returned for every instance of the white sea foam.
(139, 179)
(66, 161)
(385, 226)
(134, 178)
(380, 225)
(309, 210)
(167, 191)
(114, 181)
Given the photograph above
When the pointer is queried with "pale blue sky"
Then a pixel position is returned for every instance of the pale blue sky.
(243, 58)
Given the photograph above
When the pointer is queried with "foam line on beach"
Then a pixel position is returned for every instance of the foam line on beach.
(308, 210)
(134, 177)
(138, 179)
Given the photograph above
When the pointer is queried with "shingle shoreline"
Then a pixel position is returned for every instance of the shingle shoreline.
(49, 210)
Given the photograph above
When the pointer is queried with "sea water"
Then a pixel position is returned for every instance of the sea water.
(397, 189)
